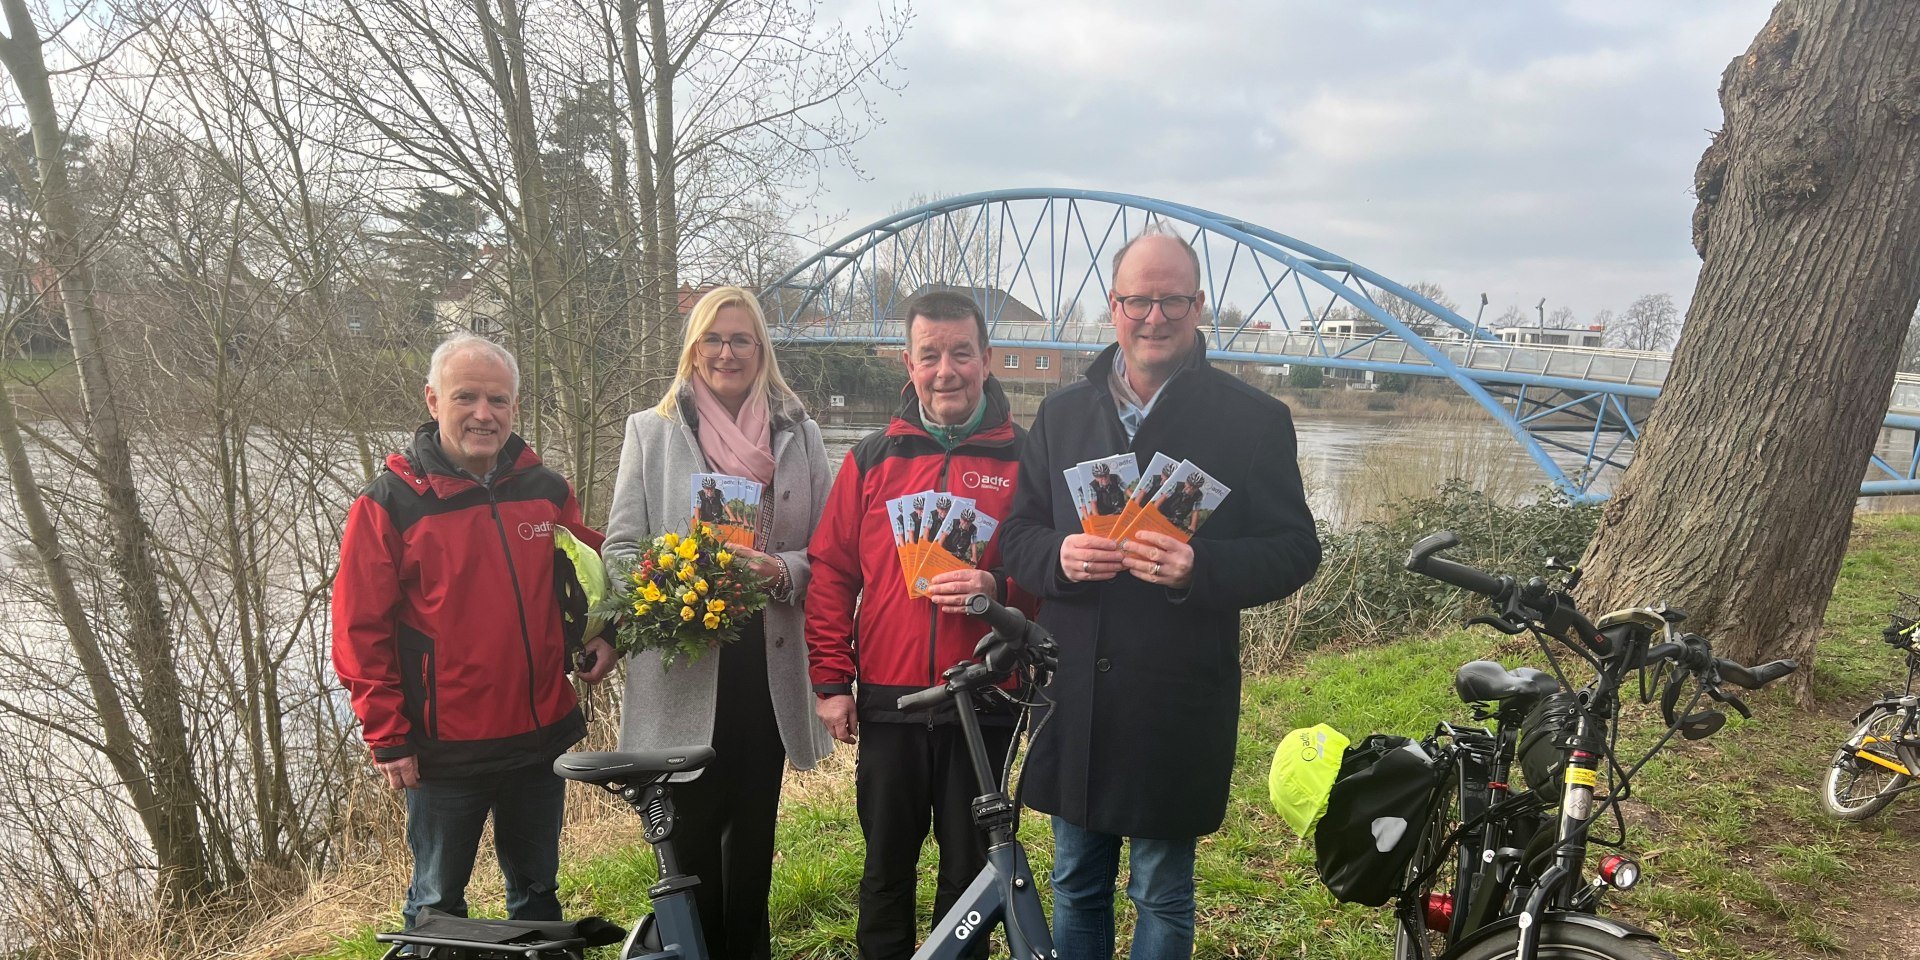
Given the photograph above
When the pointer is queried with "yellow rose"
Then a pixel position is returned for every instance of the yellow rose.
(667, 561)
(686, 613)
(690, 597)
(716, 606)
(707, 528)
(643, 608)
(685, 572)
(723, 558)
(670, 540)
(652, 593)
(701, 585)
(687, 549)
(712, 620)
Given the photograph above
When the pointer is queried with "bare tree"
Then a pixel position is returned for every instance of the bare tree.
(1740, 497)
(1649, 323)
(166, 763)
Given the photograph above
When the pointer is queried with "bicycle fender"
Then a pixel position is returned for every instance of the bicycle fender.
(1510, 926)
(1888, 705)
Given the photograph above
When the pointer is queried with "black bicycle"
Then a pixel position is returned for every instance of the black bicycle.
(1002, 895)
(1499, 871)
(1877, 761)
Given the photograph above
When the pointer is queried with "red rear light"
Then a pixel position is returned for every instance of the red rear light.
(1439, 912)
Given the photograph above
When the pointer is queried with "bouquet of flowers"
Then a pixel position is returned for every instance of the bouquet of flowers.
(683, 596)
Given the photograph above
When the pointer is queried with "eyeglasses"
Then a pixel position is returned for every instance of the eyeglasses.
(743, 345)
(1173, 308)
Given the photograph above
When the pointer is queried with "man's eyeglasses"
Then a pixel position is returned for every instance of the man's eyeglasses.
(1173, 308)
(743, 345)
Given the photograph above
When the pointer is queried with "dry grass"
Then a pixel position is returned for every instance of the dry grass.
(1389, 473)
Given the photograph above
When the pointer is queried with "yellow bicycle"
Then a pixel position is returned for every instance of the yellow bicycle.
(1878, 761)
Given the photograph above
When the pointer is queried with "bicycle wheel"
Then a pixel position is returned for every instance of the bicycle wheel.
(1445, 816)
(1857, 788)
(1569, 941)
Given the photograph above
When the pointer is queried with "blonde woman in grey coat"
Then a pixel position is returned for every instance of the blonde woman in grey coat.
(728, 411)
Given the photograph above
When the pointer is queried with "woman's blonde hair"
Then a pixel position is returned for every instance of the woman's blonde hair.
(699, 322)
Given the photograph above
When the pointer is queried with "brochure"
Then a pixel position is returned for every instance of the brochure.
(731, 504)
(1181, 505)
(957, 545)
(1105, 486)
(899, 510)
(1152, 479)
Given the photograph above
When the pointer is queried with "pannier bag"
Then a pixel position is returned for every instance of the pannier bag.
(1382, 799)
(1304, 767)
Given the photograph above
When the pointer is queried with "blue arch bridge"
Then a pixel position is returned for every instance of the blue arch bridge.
(1038, 260)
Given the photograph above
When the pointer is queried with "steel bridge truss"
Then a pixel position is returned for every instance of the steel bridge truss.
(1039, 263)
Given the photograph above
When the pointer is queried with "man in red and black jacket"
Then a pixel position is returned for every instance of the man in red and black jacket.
(869, 643)
(447, 633)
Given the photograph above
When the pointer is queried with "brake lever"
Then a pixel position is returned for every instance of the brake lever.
(1730, 699)
(1670, 698)
(1498, 623)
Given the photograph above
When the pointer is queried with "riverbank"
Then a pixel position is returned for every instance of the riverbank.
(1739, 860)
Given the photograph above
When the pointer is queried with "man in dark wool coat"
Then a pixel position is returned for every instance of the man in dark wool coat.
(1139, 745)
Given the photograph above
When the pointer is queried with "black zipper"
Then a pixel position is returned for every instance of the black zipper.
(519, 602)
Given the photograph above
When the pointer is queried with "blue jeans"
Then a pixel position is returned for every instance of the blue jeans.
(444, 818)
(1160, 884)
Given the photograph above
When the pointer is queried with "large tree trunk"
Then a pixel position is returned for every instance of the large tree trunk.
(1740, 497)
(184, 876)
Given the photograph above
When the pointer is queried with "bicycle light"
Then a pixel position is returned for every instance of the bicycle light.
(1619, 871)
(1439, 912)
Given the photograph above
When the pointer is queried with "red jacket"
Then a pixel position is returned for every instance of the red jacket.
(446, 627)
(861, 625)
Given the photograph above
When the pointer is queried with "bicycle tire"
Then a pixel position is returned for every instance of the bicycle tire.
(1855, 789)
(1445, 816)
(1569, 941)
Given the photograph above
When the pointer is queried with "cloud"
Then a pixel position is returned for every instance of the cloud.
(1525, 150)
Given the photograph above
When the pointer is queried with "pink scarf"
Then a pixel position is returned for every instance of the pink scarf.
(741, 447)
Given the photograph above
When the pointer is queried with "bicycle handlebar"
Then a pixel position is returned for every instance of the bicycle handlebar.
(1421, 560)
(1014, 640)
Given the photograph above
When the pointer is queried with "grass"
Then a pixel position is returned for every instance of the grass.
(1740, 862)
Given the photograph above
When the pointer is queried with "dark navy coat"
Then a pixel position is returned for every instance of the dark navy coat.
(1140, 740)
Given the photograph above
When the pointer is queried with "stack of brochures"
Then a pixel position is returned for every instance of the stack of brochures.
(1115, 499)
(730, 504)
(935, 532)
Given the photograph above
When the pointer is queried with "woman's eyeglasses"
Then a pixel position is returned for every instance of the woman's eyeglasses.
(743, 345)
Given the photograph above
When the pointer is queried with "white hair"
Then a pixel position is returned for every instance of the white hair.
(461, 343)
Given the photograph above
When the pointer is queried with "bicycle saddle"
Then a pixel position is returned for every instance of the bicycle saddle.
(609, 766)
(1484, 680)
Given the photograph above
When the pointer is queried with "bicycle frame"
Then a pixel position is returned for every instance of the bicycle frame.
(1003, 893)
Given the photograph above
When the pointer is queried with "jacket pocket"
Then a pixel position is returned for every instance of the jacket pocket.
(417, 682)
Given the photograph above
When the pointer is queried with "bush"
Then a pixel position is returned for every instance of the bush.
(1306, 378)
(1364, 592)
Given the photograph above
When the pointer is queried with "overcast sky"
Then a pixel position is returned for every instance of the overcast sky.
(1524, 149)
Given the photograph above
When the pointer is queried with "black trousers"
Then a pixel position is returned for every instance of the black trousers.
(725, 830)
(909, 774)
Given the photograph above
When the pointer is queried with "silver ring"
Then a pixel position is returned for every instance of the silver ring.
(1156, 569)
(1083, 566)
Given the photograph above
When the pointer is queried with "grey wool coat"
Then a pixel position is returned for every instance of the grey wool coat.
(652, 494)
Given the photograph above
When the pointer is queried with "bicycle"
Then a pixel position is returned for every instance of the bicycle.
(1499, 872)
(1002, 894)
(1877, 762)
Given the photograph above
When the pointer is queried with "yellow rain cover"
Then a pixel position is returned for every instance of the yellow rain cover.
(591, 574)
(1304, 768)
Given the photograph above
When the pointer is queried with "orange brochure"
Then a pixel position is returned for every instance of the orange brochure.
(1151, 481)
(1180, 505)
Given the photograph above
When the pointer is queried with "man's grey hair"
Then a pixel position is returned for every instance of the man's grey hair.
(1159, 228)
(461, 343)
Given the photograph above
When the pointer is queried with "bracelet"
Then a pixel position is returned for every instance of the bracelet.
(782, 588)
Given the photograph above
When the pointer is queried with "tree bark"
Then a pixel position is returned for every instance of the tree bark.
(1740, 498)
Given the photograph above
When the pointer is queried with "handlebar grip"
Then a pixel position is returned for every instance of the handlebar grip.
(929, 697)
(1422, 560)
(1753, 678)
(1005, 621)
